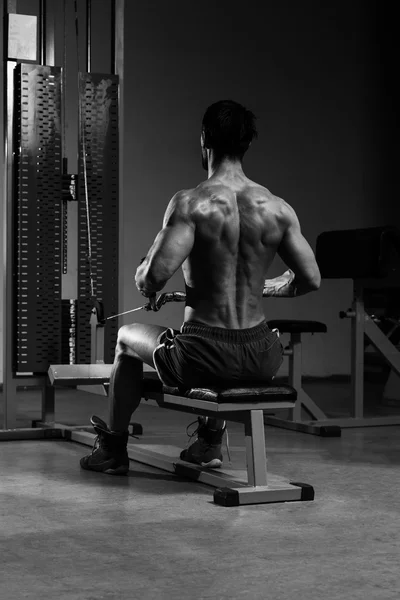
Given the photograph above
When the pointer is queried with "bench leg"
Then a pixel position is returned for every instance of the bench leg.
(255, 449)
(48, 402)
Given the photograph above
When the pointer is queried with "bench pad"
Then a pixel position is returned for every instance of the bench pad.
(245, 393)
(73, 375)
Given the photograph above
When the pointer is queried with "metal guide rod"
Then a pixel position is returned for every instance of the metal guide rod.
(6, 120)
(9, 382)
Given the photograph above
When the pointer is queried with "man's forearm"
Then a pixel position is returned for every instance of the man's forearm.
(144, 282)
(287, 286)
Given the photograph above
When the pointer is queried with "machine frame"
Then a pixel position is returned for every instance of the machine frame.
(12, 381)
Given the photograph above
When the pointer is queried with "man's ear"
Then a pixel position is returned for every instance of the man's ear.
(204, 140)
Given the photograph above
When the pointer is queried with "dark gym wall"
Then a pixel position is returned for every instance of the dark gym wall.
(311, 72)
(320, 78)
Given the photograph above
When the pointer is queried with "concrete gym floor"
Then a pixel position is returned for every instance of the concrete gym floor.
(72, 534)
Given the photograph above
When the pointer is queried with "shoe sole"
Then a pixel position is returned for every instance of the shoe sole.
(118, 471)
(213, 464)
(121, 470)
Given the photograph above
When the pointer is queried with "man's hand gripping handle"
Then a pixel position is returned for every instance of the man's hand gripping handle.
(155, 304)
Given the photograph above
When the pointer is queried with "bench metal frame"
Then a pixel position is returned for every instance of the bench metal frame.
(234, 487)
(251, 487)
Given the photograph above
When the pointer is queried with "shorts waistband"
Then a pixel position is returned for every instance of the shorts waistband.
(234, 336)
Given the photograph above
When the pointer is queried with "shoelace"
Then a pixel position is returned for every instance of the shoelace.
(192, 435)
(227, 446)
(96, 444)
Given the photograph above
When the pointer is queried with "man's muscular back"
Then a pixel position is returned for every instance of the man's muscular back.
(238, 231)
(225, 234)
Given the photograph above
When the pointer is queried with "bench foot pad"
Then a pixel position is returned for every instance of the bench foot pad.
(263, 494)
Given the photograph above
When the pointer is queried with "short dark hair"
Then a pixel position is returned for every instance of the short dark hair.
(229, 128)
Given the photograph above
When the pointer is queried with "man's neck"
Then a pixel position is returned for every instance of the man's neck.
(225, 168)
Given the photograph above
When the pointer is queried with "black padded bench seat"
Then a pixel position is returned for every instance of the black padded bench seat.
(250, 393)
(293, 326)
(78, 375)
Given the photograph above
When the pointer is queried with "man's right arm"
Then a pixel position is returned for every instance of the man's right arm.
(303, 275)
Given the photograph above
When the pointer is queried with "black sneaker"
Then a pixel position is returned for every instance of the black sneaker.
(206, 450)
(109, 454)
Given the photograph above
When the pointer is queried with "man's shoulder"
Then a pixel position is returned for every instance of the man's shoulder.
(181, 201)
(189, 200)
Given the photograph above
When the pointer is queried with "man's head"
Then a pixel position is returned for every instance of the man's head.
(228, 129)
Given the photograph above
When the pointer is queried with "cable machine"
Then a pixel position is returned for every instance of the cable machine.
(60, 200)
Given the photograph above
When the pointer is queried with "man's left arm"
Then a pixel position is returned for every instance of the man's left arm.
(170, 249)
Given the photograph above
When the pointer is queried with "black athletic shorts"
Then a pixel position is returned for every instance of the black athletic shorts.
(199, 355)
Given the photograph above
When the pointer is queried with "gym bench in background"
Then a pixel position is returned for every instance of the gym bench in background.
(239, 404)
(371, 258)
(304, 402)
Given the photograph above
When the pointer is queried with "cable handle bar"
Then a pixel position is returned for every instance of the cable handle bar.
(166, 297)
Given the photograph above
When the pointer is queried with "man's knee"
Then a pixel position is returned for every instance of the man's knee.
(121, 334)
(122, 341)
(139, 341)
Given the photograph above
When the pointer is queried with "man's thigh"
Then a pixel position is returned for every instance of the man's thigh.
(140, 340)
